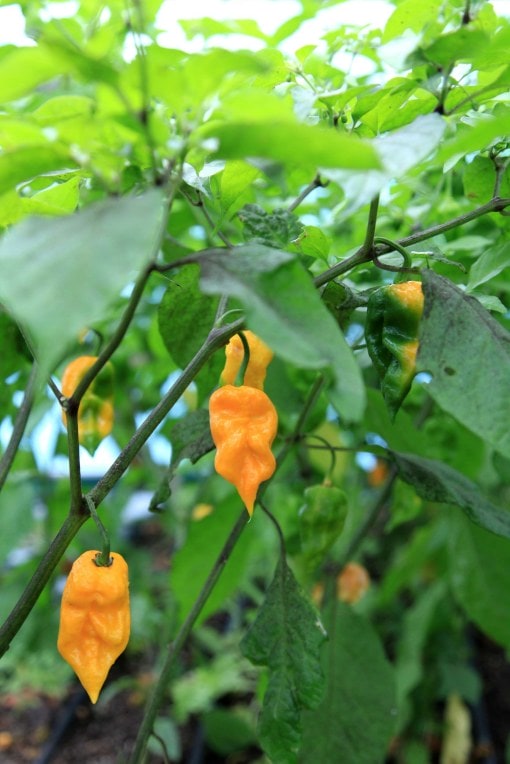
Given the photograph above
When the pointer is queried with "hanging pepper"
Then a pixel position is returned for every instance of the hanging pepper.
(95, 414)
(94, 618)
(260, 357)
(393, 318)
(243, 426)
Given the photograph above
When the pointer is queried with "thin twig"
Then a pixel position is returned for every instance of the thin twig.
(19, 426)
(316, 183)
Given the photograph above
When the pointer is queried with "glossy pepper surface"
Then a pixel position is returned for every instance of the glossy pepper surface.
(393, 318)
(95, 414)
(243, 426)
(260, 357)
(94, 619)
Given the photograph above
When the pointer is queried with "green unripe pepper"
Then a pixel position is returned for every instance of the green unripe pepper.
(391, 331)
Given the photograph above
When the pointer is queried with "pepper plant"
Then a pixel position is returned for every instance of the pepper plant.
(161, 200)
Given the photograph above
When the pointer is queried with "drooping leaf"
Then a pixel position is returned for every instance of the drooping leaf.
(435, 481)
(282, 306)
(463, 347)
(480, 577)
(185, 318)
(58, 276)
(355, 720)
(286, 637)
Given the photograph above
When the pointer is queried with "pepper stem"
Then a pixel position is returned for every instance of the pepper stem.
(246, 359)
(102, 559)
(408, 260)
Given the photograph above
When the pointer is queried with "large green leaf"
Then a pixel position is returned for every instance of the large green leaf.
(480, 577)
(468, 354)
(58, 276)
(293, 144)
(354, 722)
(435, 481)
(286, 637)
(284, 308)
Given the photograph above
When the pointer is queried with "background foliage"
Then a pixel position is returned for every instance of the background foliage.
(148, 191)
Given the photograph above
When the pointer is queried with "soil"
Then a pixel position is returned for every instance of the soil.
(37, 729)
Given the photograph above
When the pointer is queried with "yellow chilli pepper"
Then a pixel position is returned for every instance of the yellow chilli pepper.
(260, 357)
(243, 426)
(94, 618)
(95, 414)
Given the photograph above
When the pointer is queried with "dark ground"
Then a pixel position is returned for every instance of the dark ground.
(35, 729)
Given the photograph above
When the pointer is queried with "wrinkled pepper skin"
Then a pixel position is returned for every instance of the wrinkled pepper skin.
(94, 619)
(243, 423)
(393, 318)
(95, 415)
(260, 357)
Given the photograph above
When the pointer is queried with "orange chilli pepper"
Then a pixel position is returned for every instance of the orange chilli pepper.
(243, 426)
(94, 618)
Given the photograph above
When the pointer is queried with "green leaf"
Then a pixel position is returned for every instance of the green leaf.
(191, 439)
(314, 243)
(26, 162)
(24, 69)
(354, 722)
(490, 264)
(410, 664)
(399, 151)
(479, 180)
(282, 306)
(286, 637)
(291, 143)
(58, 276)
(235, 180)
(321, 521)
(411, 14)
(185, 318)
(191, 564)
(480, 577)
(477, 135)
(435, 481)
(463, 348)
(274, 229)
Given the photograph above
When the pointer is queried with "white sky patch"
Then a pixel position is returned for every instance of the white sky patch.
(12, 26)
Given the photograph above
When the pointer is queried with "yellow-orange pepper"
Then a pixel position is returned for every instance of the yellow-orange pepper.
(260, 357)
(94, 618)
(243, 426)
(95, 414)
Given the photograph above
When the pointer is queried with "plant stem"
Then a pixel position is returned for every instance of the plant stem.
(368, 521)
(362, 256)
(316, 183)
(158, 694)
(19, 427)
(75, 520)
(494, 205)
(73, 449)
(41, 576)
